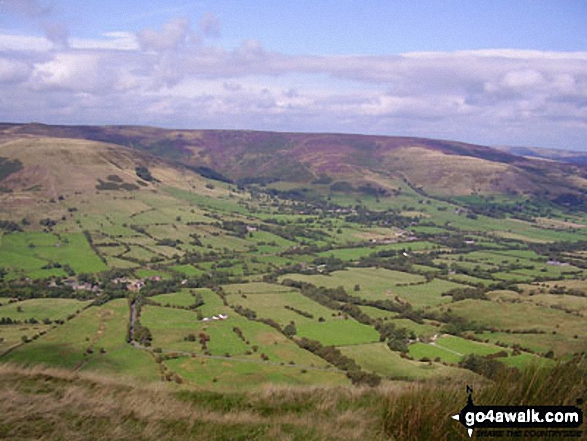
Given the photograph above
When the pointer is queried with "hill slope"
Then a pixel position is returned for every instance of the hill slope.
(550, 154)
(445, 168)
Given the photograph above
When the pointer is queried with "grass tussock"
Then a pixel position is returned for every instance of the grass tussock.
(423, 411)
(53, 404)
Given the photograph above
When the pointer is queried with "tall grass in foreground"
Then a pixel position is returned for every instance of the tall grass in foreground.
(52, 404)
(423, 412)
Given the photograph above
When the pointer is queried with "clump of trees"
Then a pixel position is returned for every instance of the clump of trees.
(144, 173)
(397, 337)
(487, 366)
(142, 334)
(300, 312)
(467, 293)
(290, 329)
(333, 356)
(9, 226)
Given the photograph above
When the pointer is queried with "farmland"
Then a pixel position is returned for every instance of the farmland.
(219, 287)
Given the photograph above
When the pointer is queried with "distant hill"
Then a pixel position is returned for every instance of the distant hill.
(436, 167)
(554, 154)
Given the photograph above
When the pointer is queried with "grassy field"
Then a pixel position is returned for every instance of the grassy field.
(181, 298)
(273, 301)
(381, 284)
(420, 351)
(27, 253)
(339, 332)
(78, 344)
(12, 335)
(512, 317)
(378, 358)
(40, 309)
(238, 375)
(171, 326)
(217, 235)
(358, 252)
(100, 407)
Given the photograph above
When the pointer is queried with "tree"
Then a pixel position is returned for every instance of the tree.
(144, 173)
(290, 330)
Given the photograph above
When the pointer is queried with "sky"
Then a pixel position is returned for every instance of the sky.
(492, 72)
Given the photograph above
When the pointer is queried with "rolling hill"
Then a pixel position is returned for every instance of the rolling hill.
(569, 156)
(441, 168)
(254, 279)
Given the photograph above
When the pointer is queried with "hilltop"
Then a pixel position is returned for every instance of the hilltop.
(569, 156)
(438, 167)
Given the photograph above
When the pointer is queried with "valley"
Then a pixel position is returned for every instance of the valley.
(254, 260)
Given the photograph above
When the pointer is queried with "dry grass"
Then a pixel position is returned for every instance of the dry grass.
(423, 412)
(53, 404)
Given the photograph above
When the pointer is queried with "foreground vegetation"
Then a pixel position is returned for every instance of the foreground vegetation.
(54, 404)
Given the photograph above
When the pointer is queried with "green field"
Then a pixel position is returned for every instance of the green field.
(270, 301)
(40, 309)
(27, 253)
(339, 332)
(358, 252)
(381, 284)
(378, 358)
(182, 298)
(77, 345)
(233, 244)
(372, 281)
(233, 375)
(452, 349)
(12, 335)
(420, 351)
(171, 326)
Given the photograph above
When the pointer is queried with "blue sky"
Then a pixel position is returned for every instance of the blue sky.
(487, 72)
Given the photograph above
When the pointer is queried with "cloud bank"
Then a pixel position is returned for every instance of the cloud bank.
(175, 76)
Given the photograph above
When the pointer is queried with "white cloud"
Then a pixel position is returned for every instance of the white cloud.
(173, 35)
(24, 43)
(123, 41)
(65, 71)
(13, 71)
(159, 77)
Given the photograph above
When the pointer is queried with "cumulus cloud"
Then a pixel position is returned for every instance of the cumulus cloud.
(120, 40)
(19, 44)
(500, 96)
(13, 71)
(173, 35)
(75, 72)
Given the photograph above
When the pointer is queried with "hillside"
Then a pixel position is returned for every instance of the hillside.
(53, 404)
(549, 154)
(443, 168)
(280, 286)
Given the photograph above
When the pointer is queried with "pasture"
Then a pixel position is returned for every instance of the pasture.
(170, 327)
(237, 375)
(40, 309)
(378, 358)
(93, 340)
(27, 253)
